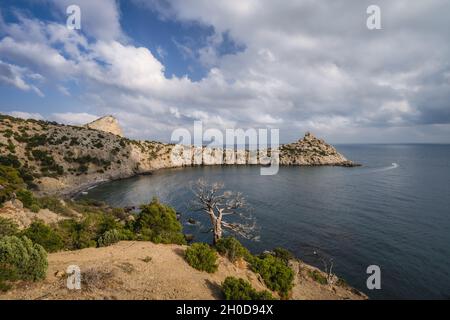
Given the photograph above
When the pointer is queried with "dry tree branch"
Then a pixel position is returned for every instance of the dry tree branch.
(217, 204)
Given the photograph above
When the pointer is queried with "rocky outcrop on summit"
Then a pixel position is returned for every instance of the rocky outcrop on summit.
(311, 151)
(106, 124)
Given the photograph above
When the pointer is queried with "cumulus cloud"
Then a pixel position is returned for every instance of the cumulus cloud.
(73, 118)
(100, 18)
(16, 76)
(306, 66)
(26, 115)
(318, 64)
(63, 90)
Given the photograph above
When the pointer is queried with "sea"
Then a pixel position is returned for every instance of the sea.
(392, 212)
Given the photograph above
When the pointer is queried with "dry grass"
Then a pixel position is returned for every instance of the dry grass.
(92, 279)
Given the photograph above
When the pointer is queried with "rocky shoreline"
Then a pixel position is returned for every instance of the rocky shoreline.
(66, 160)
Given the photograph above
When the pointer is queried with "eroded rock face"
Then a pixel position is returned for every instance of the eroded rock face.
(106, 124)
(313, 152)
(23, 217)
(68, 159)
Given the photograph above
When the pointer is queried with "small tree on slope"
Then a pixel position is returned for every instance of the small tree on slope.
(217, 204)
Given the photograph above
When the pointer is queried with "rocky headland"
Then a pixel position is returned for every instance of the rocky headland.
(65, 159)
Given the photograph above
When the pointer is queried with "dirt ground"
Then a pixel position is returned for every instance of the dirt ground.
(144, 270)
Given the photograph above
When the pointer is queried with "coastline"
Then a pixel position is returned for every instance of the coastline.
(91, 185)
(66, 160)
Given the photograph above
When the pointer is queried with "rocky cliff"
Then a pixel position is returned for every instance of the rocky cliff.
(65, 159)
(106, 124)
(311, 151)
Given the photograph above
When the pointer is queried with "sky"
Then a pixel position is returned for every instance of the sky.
(292, 65)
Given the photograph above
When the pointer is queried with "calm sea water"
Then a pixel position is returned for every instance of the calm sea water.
(393, 212)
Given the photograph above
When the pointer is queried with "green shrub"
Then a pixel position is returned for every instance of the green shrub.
(202, 257)
(37, 141)
(7, 274)
(94, 229)
(49, 167)
(158, 223)
(12, 165)
(87, 206)
(108, 238)
(42, 234)
(11, 147)
(8, 133)
(127, 234)
(264, 295)
(275, 273)
(78, 234)
(35, 208)
(231, 248)
(27, 175)
(82, 168)
(107, 222)
(318, 276)
(10, 160)
(8, 228)
(54, 204)
(28, 199)
(239, 289)
(98, 145)
(283, 254)
(119, 213)
(10, 182)
(23, 259)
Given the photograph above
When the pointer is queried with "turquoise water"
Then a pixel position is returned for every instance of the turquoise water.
(393, 212)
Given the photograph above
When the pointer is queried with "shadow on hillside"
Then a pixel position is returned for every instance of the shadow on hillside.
(179, 252)
(215, 289)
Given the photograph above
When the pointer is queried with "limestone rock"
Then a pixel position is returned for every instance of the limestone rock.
(311, 151)
(85, 157)
(106, 124)
(23, 217)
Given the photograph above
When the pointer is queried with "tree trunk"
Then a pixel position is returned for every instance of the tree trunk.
(217, 225)
(217, 231)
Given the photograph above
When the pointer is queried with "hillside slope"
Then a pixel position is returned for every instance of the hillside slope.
(65, 159)
(144, 270)
(106, 124)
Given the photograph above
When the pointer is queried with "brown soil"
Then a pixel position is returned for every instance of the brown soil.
(144, 270)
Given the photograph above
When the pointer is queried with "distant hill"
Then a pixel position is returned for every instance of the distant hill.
(65, 159)
(106, 124)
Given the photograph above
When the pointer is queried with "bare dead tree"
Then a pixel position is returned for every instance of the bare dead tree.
(217, 204)
(328, 264)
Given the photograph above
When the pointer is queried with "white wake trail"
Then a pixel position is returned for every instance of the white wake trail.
(391, 167)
